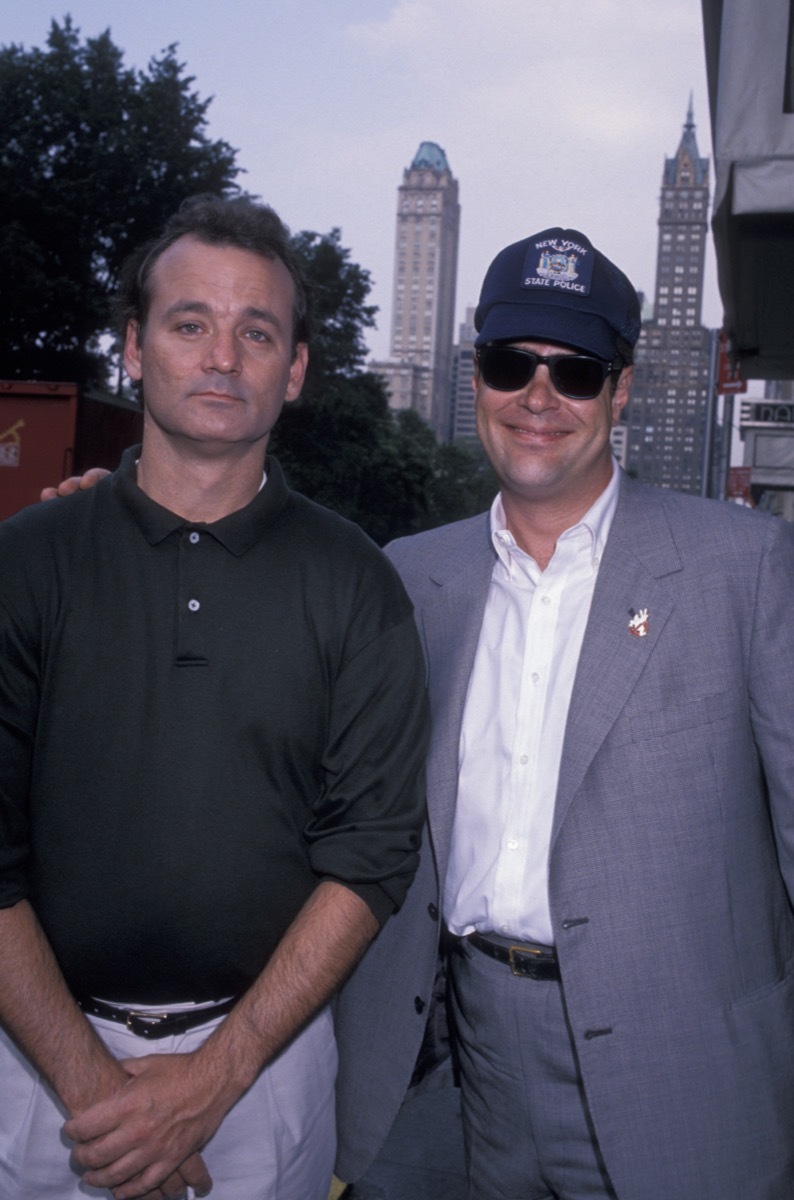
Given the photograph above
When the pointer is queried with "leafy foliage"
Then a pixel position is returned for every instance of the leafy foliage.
(94, 157)
(341, 445)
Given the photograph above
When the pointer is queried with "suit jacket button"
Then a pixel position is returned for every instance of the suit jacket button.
(419, 1004)
(431, 908)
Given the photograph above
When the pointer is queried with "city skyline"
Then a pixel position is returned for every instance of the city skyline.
(549, 112)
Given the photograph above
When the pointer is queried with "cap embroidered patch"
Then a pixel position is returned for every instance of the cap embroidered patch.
(557, 263)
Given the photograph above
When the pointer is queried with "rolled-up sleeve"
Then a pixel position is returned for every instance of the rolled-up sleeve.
(366, 825)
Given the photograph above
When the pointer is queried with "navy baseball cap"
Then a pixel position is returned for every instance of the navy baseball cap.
(556, 287)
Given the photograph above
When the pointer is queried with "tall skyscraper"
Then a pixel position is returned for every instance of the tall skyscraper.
(665, 418)
(463, 420)
(425, 274)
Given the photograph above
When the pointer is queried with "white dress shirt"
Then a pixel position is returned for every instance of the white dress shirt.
(513, 728)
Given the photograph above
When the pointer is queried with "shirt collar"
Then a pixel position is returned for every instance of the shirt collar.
(237, 532)
(596, 523)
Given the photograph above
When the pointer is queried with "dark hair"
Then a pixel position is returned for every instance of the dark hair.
(623, 357)
(218, 222)
(624, 353)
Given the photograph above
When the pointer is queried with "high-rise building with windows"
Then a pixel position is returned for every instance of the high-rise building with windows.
(425, 274)
(463, 420)
(665, 417)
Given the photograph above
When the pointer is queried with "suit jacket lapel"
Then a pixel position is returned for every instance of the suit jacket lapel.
(450, 622)
(640, 552)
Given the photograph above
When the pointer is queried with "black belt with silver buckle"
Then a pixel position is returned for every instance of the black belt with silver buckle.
(154, 1025)
(523, 958)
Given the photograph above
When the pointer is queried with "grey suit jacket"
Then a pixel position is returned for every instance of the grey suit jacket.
(671, 869)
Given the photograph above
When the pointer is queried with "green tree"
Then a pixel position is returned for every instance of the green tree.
(94, 157)
(462, 483)
(339, 443)
(339, 289)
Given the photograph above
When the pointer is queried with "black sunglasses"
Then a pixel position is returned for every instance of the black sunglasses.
(509, 369)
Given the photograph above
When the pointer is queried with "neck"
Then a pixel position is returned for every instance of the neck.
(537, 524)
(201, 488)
(535, 532)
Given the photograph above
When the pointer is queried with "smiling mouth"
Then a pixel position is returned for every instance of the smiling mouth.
(541, 433)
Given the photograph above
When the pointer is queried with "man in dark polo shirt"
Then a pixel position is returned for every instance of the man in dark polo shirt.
(211, 730)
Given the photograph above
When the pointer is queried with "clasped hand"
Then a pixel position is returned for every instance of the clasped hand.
(143, 1141)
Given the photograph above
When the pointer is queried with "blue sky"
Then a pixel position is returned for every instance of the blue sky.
(550, 111)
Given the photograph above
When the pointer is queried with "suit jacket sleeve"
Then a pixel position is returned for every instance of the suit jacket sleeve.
(771, 670)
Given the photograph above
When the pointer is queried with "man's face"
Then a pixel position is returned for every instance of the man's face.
(545, 448)
(215, 356)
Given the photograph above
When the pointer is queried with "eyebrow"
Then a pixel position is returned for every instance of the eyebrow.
(198, 306)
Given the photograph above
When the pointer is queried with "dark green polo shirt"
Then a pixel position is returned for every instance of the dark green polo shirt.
(197, 723)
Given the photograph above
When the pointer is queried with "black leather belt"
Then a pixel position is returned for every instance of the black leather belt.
(526, 959)
(154, 1025)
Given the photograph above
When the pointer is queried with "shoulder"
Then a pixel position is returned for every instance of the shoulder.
(693, 519)
(51, 524)
(440, 547)
(331, 538)
(339, 570)
(42, 550)
(441, 556)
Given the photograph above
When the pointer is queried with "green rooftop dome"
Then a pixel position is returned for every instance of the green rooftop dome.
(431, 156)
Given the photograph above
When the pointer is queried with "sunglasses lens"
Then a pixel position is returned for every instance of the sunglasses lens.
(508, 369)
(578, 376)
(505, 369)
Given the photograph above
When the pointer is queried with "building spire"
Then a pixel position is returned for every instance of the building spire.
(687, 151)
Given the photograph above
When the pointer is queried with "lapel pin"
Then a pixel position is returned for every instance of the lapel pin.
(638, 625)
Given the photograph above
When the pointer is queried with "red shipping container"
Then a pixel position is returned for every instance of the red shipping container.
(37, 437)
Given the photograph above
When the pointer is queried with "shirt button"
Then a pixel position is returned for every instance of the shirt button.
(545, 599)
(596, 561)
(512, 844)
(195, 537)
(535, 677)
(524, 759)
(193, 605)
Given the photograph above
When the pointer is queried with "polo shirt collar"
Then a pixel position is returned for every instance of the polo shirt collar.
(237, 532)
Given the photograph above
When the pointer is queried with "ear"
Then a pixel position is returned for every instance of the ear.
(622, 392)
(297, 372)
(132, 351)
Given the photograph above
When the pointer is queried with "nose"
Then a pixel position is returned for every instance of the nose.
(223, 353)
(540, 393)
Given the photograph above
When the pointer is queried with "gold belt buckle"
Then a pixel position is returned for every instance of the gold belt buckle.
(142, 1022)
(512, 951)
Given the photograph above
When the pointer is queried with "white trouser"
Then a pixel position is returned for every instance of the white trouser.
(277, 1143)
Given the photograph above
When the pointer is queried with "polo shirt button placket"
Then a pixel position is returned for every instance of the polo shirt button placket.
(194, 537)
(193, 547)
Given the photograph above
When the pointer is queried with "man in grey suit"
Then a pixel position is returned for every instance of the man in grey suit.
(610, 784)
(610, 794)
